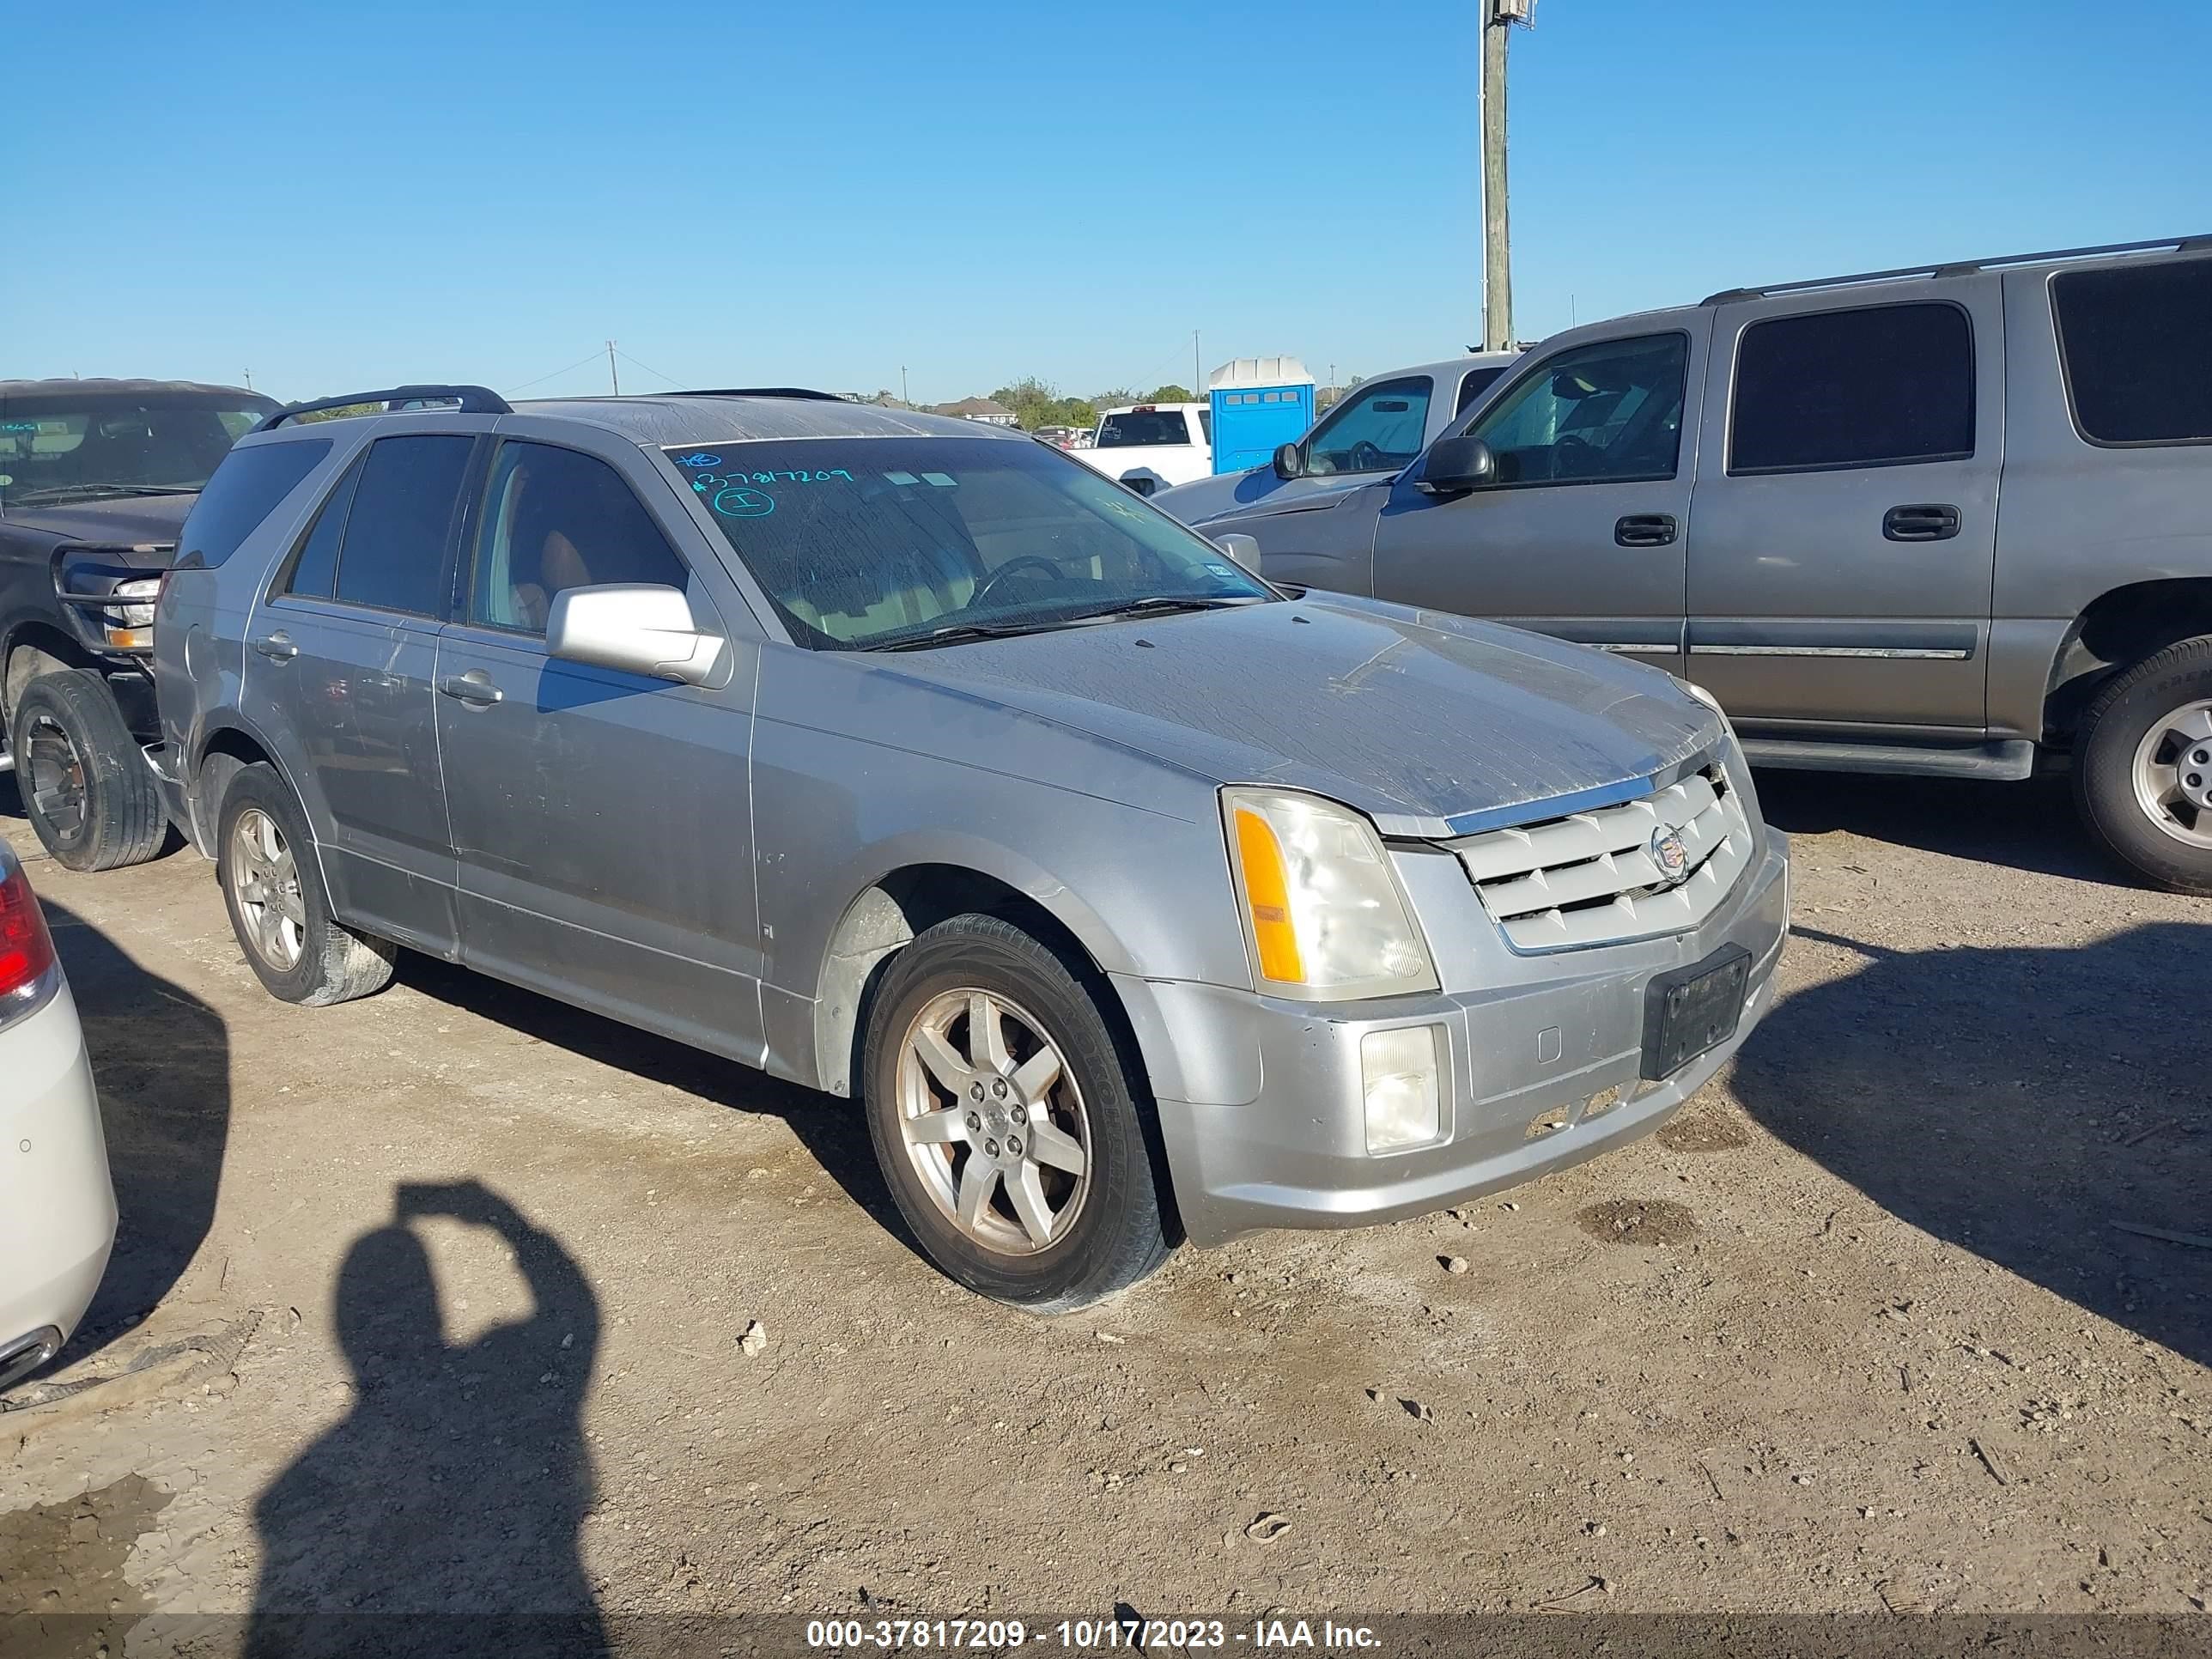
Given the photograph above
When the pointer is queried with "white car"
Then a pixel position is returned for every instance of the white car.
(1153, 447)
(56, 1203)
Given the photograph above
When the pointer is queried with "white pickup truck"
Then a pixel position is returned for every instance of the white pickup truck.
(1151, 446)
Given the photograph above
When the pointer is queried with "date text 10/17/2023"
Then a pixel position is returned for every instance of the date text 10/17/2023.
(1086, 1635)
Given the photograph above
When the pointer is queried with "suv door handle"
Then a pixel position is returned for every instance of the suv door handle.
(277, 647)
(475, 687)
(1644, 529)
(1921, 521)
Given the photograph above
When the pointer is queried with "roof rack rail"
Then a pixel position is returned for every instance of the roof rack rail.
(806, 392)
(1963, 267)
(463, 399)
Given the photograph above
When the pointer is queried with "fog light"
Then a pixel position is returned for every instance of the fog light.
(1400, 1075)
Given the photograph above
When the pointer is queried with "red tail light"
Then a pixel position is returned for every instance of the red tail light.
(27, 949)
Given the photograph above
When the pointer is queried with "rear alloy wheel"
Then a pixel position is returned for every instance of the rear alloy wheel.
(1007, 1120)
(2144, 767)
(85, 783)
(273, 888)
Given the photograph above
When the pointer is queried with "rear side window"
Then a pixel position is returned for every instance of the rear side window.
(1477, 381)
(393, 554)
(1135, 427)
(1877, 386)
(244, 491)
(2137, 345)
(315, 567)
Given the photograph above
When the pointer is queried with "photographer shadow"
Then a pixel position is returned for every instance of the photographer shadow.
(452, 1493)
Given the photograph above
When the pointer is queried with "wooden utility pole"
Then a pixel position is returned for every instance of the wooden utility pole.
(1499, 17)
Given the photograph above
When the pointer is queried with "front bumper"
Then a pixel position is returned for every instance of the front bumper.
(1538, 1038)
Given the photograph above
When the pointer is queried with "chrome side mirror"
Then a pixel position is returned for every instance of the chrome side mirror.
(640, 627)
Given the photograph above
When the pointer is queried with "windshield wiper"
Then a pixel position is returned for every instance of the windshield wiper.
(1160, 604)
(1166, 604)
(94, 491)
(955, 633)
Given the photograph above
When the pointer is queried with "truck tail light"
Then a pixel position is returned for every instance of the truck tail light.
(27, 949)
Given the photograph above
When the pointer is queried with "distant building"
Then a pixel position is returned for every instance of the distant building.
(986, 409)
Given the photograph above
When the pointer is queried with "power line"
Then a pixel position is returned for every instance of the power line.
(647, 367)
(593, 358)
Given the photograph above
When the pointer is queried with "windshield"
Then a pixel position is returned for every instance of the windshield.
(1134, 427)
(867, 544)
(77, 447)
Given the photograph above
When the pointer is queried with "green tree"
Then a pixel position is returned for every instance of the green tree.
(1171, 393)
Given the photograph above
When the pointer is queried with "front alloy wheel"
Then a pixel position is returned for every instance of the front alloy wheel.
(1010, 1116)
(992, 1121)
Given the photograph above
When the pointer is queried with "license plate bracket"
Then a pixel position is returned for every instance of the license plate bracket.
(1689, 1012)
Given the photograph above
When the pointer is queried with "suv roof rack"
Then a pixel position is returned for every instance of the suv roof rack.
(806, 392)
(1960, 268)
(464, 400)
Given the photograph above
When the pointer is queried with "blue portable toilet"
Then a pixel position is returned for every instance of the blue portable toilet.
(1260, 404)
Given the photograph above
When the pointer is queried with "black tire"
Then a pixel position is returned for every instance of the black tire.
(84, 781)
(1120, 1232)
(2115, 725)
(334, 963)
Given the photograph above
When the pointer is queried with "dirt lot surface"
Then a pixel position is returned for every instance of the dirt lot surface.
(436, 1301)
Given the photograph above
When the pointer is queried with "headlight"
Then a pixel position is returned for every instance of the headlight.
(1322, 911)
(1701, 694)
(129, 626)
(1709, 702)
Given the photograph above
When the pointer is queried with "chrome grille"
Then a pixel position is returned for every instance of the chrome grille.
(1591, 878)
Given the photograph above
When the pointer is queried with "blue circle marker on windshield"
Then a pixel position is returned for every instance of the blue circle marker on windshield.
(699, 459)
(735, 503)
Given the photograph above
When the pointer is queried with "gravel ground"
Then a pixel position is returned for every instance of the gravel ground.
(434, 1300)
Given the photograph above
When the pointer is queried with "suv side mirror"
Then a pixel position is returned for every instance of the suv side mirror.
(1244, 549)
(1290, 463)
(640, 627)
(1456, 465)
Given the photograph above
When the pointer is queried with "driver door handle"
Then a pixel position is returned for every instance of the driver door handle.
(1644, 529)
(277, 647)
(475, 687)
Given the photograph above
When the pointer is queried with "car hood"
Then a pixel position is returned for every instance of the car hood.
(1431, 723)
(130, 521)
(1213, 503)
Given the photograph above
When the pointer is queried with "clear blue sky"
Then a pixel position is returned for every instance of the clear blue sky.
(339, 196)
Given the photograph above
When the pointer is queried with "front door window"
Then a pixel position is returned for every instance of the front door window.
(1378, 427)
(1608, 411)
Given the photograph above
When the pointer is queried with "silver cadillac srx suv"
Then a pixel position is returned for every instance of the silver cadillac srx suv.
(1134, 898)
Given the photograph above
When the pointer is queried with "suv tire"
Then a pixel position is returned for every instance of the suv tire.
(272, 885)
(2141, 737)
(1050, 1116)
(84, 781)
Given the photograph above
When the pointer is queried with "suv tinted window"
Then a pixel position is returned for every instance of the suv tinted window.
(1477, 381)
(394, 554)
(244, 491)
(2137, 345)
(1876, 386)
(555, 520)
(315, 566)
(1376, 428)
(1610, 409)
